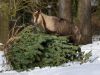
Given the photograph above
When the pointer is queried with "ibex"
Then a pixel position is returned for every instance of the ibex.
(52, 24)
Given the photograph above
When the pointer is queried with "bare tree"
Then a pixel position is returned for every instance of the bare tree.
(4, 31)
(84, 16)
(65, 9)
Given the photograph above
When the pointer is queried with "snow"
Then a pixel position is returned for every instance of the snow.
(90, 68)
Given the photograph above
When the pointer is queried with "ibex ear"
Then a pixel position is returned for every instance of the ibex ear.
(38, 11)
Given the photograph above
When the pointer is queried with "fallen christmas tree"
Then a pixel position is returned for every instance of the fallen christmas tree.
(40, 50)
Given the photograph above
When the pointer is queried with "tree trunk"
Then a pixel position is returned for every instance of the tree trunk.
(65, 9)
(84, 16)
(4, 30)
(4, 27)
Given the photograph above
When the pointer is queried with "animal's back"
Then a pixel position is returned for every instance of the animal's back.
(63, 26)
(57, 25)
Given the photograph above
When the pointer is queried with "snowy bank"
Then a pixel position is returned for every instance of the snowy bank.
(89, 68)
(3, 65)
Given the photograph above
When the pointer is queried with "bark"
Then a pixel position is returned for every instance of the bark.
(84, 16)
(4, 31)
(65, 9)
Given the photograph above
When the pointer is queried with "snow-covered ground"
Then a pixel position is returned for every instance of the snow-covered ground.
(89, 68)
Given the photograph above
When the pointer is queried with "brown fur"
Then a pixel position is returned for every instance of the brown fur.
(52, 24)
